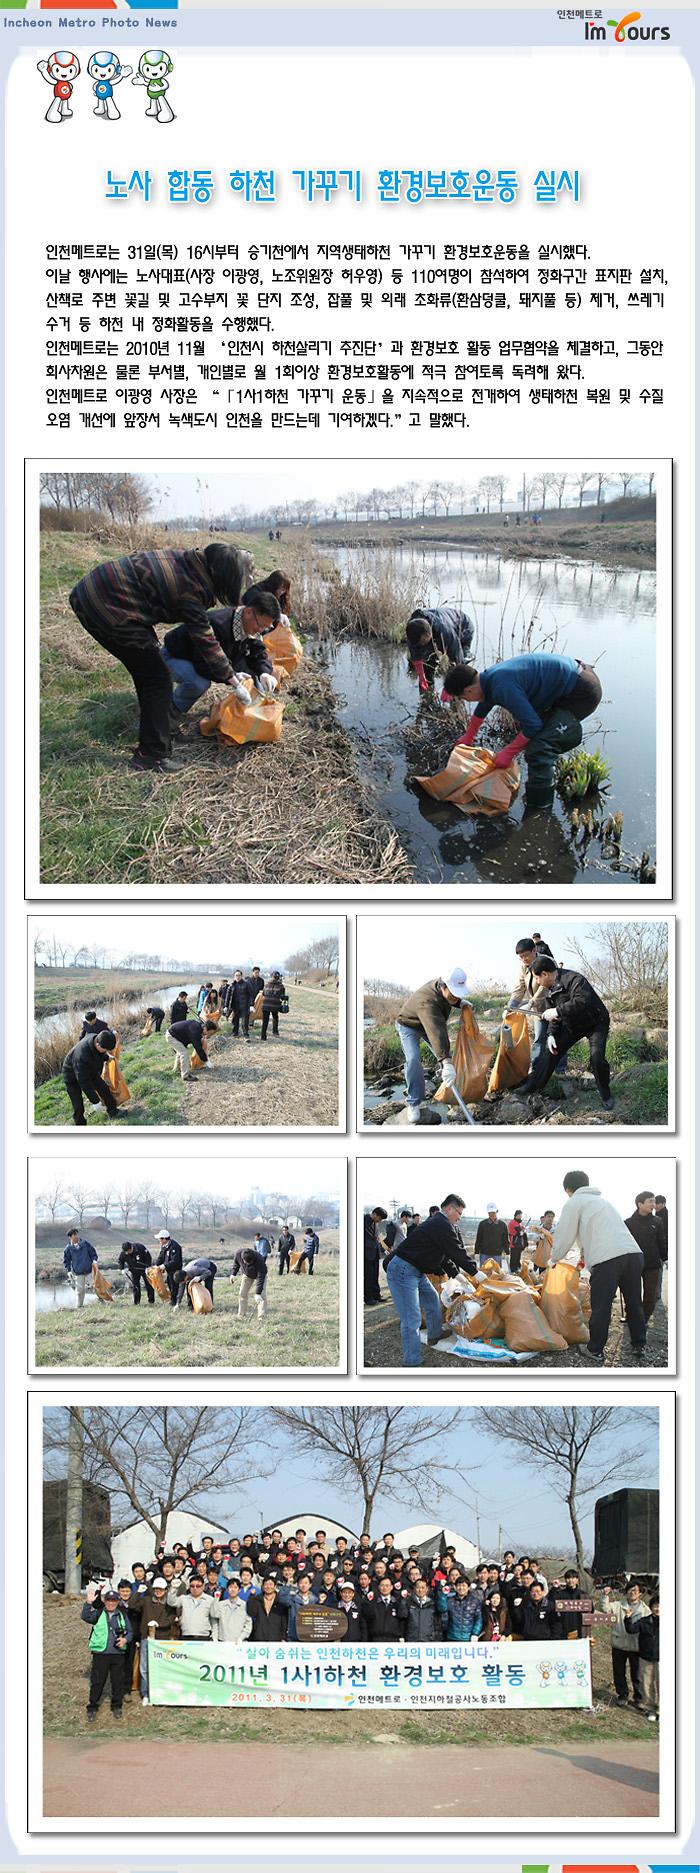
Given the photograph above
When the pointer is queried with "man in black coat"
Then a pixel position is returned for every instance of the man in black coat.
(92, 1024)
(371, 1255)
(239, 633)
(135, 1258)
(184, 1034)
(574, 1012)
(435, 1247)
(270, 1620)
(571, 1622)
(275, 1003)
(644, 1227)
(157, 1017)
(385, 1615)
(239, 1002)
(536, 1618)
(170, 1260)
(178, 1010)
(82, 1075)
(492, 1239)
(252, 1269)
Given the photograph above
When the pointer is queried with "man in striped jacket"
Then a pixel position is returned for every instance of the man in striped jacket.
(121, 602)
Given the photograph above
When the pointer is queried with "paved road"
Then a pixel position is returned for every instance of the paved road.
(392, 1780)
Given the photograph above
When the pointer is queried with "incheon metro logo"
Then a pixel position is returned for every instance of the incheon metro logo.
(625, 31)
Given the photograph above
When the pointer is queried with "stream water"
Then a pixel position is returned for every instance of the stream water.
(53, 1300)
(47, 1025)
(596, 613)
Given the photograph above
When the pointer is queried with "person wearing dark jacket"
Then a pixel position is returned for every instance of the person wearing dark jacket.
(424, 1017)
(109, 1640)
(433, 1248)
(92, 1024)
(385, 1615)
(461, 1612)
(239, 632)
(121, 602)
(571, 1622)
(371, 1255)
(422, 1618)
(82, 1075)
(574, 1012)
(239, 1002)
(661, 1218)
(536, 1617)
(492, 1239)
(286, 1242)
(201, 1268)
(270, 1618)
(430, 634)
(643, 1227)
(275, 1003)
(355, 1614)
(157, 1017)
(78, 1258)
(252, 1269)
(646, 1630)
(178, 1009)
(170, 1260)
(158, 1621)
(518, 1240)
(548, 696)
(183, 1034)
(135, 1258)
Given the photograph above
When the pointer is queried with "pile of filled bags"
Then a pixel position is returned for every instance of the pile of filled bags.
(538, 1311)
(260, 719)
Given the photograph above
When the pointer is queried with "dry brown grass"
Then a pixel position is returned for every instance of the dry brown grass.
(50, 1049)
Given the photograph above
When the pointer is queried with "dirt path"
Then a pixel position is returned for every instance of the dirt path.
(289, 1081)
(389, 1780)
(382, 1346)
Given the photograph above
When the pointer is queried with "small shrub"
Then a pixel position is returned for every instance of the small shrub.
(585, 771)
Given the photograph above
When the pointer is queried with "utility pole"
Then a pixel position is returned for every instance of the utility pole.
(74, 1503)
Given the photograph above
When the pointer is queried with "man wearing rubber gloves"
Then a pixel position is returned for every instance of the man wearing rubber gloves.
(240, 632)
(548, 696)
(446, 632)
(424, 1017)
(574, 1012)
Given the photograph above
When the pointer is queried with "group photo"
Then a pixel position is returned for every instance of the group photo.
(342, 1600)
(458, 679)
(202, 1265)
(488, 1020)
(516, 1262)
(219, 1022)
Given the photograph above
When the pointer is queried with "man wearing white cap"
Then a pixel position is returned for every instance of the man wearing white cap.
(492, 1239)
(170, 1259)
(424, 1017)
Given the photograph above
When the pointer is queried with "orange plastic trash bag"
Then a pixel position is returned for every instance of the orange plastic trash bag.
(241, 723)
(200, 1297)
(471, 782)
(196, 1062)
(526, 1329)
(561, 1305)
(257, 1008)
(285, 649)
(147, 1027)
(512, 1062)
(103, 1288)
(471, 1057)
(115, 1079)
(156, 1280)
(541, 1250)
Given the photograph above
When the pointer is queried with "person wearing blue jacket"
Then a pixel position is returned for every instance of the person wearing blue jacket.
(548, 697)
(446, 631)
(78, 1258)
(461, 1612)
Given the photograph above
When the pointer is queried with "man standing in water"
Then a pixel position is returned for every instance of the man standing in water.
(548, 697)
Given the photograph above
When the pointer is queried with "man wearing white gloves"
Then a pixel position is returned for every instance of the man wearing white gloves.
(240, 632)
(424, 1017)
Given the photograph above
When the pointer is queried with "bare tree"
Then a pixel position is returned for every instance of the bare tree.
(147, 1196)
(560, 483)
(79, 1200)
(602, 479)
(52, 1197)
(155, 1458)
(576, 1447)
(367, 1449)
(629, 963)
(582, 479)
(127, 1199)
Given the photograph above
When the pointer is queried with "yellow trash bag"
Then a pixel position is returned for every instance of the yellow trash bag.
(148, 1027)
(526, 1329)
(103, 1287)
(115, 1080)
(200, 1297)
(156, 1280)
(241, 723)
(196, 1063)
(471, 1057)
(539, 1255)
(561, 1305)
(285, 649)
(512, 1062)
(471, 782)
(257, 1008)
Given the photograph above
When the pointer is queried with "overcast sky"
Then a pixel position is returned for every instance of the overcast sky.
(501, 1483)
(261, 485)
(266, 939)
(419, 949)
(529, 1184)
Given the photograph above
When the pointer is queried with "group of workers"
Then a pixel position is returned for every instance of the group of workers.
(249, 1263)
(546, 696)
(564, 1006)
(251, 1590)
(218, 624)
(619, 1255)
